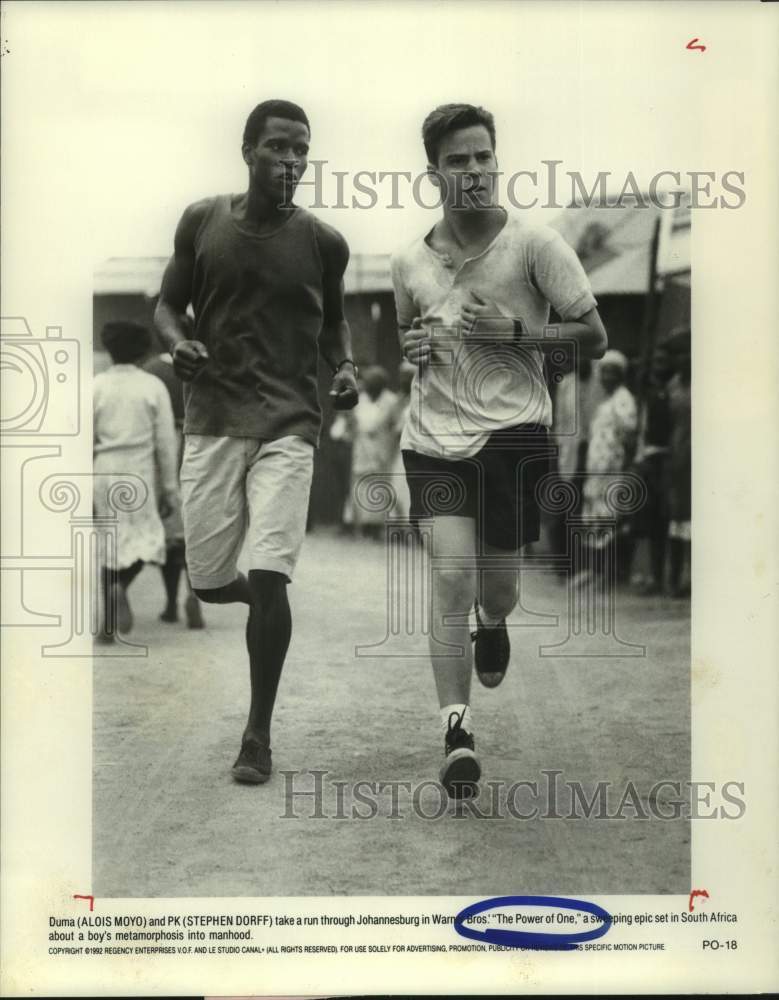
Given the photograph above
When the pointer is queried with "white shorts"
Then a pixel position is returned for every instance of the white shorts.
(242, 489)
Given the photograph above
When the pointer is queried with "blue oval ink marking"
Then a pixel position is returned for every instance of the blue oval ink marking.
(543, 940)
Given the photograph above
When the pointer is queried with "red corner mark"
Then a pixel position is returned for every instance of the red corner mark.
(691, 45)
(697, 892)
(92, 901)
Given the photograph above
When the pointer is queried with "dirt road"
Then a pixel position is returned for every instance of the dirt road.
(169, 821)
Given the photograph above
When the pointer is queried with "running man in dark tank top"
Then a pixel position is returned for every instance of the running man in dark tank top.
(264, 278)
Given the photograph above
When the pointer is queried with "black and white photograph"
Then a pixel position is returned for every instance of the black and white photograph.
(386, 474)
(494, 487)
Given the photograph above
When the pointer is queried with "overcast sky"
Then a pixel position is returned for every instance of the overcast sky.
(138, 109)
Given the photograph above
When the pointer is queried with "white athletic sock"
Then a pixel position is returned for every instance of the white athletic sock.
(463, 710)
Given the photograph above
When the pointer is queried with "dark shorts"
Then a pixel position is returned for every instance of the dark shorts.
(496, 486)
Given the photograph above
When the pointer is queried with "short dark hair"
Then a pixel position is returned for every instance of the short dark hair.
(126, 342)
(255, 123)
(448, 118)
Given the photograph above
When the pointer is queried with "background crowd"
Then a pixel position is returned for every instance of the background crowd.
(613, 418)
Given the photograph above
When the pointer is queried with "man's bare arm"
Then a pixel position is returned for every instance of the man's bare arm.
(481, 318)
(175, 294)
(335, 340)
(587, 332)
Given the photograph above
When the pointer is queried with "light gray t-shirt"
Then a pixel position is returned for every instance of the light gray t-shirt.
(473, 386)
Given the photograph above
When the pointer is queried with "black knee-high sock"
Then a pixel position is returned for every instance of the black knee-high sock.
(676, 554)
(268, 632)
(171, 575)
(658, 542)
(127, 575)
(110, 578)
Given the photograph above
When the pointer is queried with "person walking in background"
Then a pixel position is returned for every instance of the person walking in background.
(651, 464)
(402, 507)
(371, 429)
(161, 365)
(339, 471)
(579, 393)
(134, 432)
(680, 461)
(610, 449)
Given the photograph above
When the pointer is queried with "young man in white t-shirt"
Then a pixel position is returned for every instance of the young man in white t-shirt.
(473, 299)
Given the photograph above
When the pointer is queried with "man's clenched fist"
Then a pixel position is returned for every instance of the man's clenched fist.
(416, 343)
(344, 390)
(189, 359)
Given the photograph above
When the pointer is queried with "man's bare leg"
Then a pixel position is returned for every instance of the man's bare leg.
(268, 631)
(497, 598)
(453, 592)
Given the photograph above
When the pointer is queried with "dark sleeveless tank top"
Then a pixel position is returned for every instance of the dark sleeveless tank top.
(257, 300)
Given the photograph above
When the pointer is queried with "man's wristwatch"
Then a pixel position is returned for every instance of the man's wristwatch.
(346, 361)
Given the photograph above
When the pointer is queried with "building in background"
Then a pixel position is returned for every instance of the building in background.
(672, 277)
(128, 287)
(124, 288)
(638, 261)
(615, 248)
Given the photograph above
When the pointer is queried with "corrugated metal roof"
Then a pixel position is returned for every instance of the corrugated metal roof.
(627, 274)
(129, 276)
(613, 244)
(367, 272)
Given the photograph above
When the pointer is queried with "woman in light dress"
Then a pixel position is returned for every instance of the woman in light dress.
(610, 448)
(134, 435)
(371, 429)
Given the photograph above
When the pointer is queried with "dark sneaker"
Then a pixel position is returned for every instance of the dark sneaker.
(253, 765)
(460, 772)
(491, 651)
